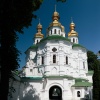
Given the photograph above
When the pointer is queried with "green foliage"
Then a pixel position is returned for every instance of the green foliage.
(94, 64)
(92, 60)
(14, 15)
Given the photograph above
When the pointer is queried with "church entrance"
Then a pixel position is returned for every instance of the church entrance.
(55, 93)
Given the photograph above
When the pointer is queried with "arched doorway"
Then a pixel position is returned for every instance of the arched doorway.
(55, 93)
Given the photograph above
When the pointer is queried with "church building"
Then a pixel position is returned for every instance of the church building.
(56, 66)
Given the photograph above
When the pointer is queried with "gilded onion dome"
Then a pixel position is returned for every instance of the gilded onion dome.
(63, 28)
(55, 19)
(56, 22)
(55, 16)
(72, 30)
(39, 29)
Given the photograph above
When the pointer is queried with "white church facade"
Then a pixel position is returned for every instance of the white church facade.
(56, 67)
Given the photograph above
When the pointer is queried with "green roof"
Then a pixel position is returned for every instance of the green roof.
(32, 47)
(82, 84)
(80, 80)
(53, 37)
(64, 76)
(90, 72)
(31, 78)
(77, 45)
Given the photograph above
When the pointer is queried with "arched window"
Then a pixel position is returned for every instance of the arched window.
(78, 94)
(38, 70)
(59, 32)
(54, 31)
(66, 60)
(73, 40)
(76, 40)
(51, 31)
(83, 65)
(37, 41)
(54, 58)
(42, 60)
(31, 70)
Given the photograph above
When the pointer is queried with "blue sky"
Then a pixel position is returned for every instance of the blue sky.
(85, 14)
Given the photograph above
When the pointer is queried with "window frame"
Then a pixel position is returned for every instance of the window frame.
(42, 60)
(54, 59)
(73, 40)
(66, 60)
(78, 94)
(55, 31)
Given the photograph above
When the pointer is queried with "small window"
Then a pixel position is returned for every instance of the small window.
(42, 60)
(83, 65)
(54, 31)
(38, 70)
(78, 93)
(73, 40)
(54, 49)
(31, 70)
(59, 32)
(37, 41)
(66, 60)
(76, 40)
(51, 31)
(54, 58)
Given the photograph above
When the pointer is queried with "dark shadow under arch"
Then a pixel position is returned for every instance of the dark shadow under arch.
(55, 93)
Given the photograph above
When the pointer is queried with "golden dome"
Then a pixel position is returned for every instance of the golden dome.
(63, 28)
(72, 26)
(39, 26)
(55, 16)
(39, 29)
(39, 35)
(55, 22)
(72, 31)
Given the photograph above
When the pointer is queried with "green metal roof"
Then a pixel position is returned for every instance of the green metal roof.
(77, 45)
(80, 80)
(64, 76)
(90, 72)
(31, 78)
(82, 84)
(53, 37)
(32, 47)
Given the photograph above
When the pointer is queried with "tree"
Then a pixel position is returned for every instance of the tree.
(94, 64)
(92, 58)
(14, 15)
(96, 80)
